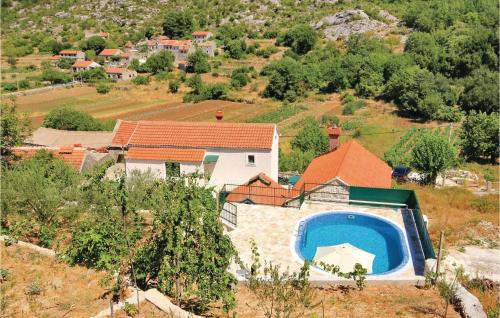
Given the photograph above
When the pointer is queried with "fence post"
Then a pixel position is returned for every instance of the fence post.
(111, 307)
(441, 241)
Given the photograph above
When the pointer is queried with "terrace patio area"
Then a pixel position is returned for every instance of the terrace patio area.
(274, 230)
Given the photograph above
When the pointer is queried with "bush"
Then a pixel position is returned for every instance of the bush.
(239, 80)
(351, 107)
(300, 38)
(9, 87)
(178, 24)
(103, 89)
(330, 120)
(266, 52)
(296, 160)
(66, 118)
(198, 62)
(311, 138)
(141, 80)
(174, 85)
(235, 49)
(93, 75)
(158, 62)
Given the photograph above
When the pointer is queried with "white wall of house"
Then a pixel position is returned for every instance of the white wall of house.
(157, 168)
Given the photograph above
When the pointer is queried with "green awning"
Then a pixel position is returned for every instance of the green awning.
(211, 158)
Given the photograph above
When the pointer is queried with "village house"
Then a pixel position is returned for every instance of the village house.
(111, 54)
(223, 153)
(201, 36)
(119, 73)
(72, 54)
(207, 48)
(49, 137)
(79, 66)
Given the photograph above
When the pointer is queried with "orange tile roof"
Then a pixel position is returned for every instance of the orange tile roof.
(109, 52)
(70, 155)
(69, 52)
(201, 33)
(351, 163)
(103, 34)
(166, 154)
(175, 42)
(55, 57)
(124, 55)
(334, 131)
(195, 134)
(261, 189)
(115, 70)
(82, 64)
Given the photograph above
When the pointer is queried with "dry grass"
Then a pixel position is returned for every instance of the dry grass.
(373, 301)
(459, 213)
(66, 291)
(146, 310)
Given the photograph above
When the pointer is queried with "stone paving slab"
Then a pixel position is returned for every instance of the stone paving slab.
(273, 229)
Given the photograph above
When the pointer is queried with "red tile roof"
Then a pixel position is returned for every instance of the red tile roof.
(55, 58)
(82, 64)
(115, 70)
(200, 33)
(69, 52)
(110, 52)
(166, 154)
(261, 189)
(124, 55)
(195, 134)
(68, 154)
(351, 163)
(334, 131)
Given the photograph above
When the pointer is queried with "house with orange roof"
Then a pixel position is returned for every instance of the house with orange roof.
(79, 158)
(79, 66)
(72, 54)
(349, 164)
(201, 36)
(109, 54)
(119, 73)
(207, 47)
(223, 153)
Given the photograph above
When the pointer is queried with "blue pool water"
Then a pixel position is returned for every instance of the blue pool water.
(369, 233)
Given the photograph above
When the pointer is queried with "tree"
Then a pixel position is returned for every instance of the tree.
(173, 86)
(479, 136)
(433, 154)
(94, 43)
(15, 129)
(312, 137)
(40, 188)
(65, 63)
(198, 62)
(93, 75)
(66, 118)
(178, 24)
(55, 77)
(296, 160)
(287, 80)
(481, 91)
(159, 62)
(300, 38)
(187, 252)
(235, 49)
(195, 83)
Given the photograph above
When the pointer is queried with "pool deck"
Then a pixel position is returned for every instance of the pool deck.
(274, 229)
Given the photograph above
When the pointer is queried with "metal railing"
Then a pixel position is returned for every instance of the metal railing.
(273, 196)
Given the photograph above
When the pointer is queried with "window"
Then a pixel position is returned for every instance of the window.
(251, 160)
(173, 169)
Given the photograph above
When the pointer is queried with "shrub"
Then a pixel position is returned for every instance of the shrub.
(351, 107)
(24, 84)
(311, 138)
(66, 118)
(266, 52)
(10, 87)
(33, 289)
(103, 89)
(174, 85)
(239, 80)
(198, 62)
(300, 38)
(178, 24)
(330, 120)
(130, 309)
(141, 80)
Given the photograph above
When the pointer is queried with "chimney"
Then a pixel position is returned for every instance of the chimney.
(219, 115)
(334, 135)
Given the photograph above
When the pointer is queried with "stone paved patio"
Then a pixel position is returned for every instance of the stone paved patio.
(273, 229)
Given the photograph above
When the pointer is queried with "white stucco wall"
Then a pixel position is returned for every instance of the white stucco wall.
(157, 168)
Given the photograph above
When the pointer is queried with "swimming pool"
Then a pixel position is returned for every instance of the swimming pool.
(367, 232)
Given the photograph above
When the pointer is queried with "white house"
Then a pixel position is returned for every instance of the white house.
(207, 47)
(119, 73)
(72, 54)
(224, 153)
(84, 65)
(201, 36)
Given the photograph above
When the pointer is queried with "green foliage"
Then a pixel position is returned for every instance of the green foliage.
(329, 120)
(288, 79)
(479, 136)
(187, 252)
(311, 138)
(92, 75)
(158, 62)
(66, 118)
(433, 154)
(173, 86)
(358, 274)
(279, 115)
(53, 46)
(240, 77)
(178, 24)
(235, 49)
(351, 104)
(229, 31)
(130, 309)
(266, 52)
(103, 88)
(65, 63)
(33, 289)
(300, 38)
(15, 128)
(94, 43)
(141, 80)
(198, 62)
(55, 77)
(279, 294)
(400, 153)
(481, 91)
(296, 160)
(41, 188)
